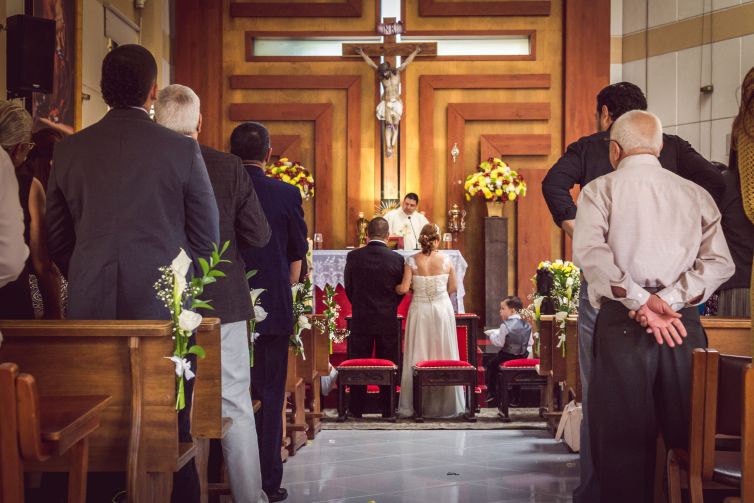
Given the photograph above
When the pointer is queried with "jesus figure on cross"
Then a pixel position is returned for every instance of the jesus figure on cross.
(390, 109)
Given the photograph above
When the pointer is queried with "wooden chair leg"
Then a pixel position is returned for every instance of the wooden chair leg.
(393, 379)
(341, 400)
(471, 400)
(202, 461)
(502, 391)
(418, 412)
(79, 464)
(674, 478)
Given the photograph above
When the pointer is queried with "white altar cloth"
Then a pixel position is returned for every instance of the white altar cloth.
(328, 267)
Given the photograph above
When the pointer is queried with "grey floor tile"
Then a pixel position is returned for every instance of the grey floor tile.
(434, 466)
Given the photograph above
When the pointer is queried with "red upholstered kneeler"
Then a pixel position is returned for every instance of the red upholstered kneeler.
(451, 372)
(521, 372)
(363, 371)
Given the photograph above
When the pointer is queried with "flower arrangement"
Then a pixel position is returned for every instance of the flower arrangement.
(175, 292)
(332, 312)
(564, 295)
(494, 181)
(258, 315)
(302, 304)
(293, 173)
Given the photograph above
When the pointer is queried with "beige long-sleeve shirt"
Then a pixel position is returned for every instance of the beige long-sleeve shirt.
(13, 249)
(643, 226)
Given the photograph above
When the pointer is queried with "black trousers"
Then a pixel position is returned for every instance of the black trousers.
(268, 385)
(361, 346)
(491, 370)
(636, 386)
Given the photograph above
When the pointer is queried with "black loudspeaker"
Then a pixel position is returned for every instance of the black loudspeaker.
(30, 54)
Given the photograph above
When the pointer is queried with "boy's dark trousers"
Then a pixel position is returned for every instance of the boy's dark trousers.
(491, 370)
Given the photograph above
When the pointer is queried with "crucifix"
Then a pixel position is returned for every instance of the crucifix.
(390, 108)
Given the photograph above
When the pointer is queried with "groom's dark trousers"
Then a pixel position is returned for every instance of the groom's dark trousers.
(371, 275)
(637, 386)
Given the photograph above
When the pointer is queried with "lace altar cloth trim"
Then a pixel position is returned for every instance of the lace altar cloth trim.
(329, 265)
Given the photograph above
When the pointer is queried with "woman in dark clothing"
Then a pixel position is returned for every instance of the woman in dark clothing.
(39, 161)
(15, 297)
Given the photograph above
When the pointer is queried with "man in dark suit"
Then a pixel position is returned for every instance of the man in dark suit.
(587, 159)
(278, 266)
(371, 275)
(124, 197)
(242, 221)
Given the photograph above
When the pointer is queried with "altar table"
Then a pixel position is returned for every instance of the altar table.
(328, 267)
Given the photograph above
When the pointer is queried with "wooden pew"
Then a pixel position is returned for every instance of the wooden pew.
(295, 420)
(127, 361)
(316, 365)
(730, 336)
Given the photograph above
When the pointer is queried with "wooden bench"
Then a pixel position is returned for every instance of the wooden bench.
(316, 365)
(730, 336)
(295, 426)
(34, 429)
(127, 361)
(720, 387)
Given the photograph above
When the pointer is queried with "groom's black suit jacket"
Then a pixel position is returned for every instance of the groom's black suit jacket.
(371, 275)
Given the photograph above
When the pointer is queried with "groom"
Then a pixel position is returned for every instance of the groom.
(371, 275)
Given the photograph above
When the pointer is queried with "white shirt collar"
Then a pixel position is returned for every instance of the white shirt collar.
(639, 159)
(514, 316)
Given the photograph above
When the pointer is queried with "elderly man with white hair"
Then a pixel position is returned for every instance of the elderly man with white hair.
(651, 247)
(241, 221)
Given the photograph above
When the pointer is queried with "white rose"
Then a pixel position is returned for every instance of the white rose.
(303, 322)
(569, 281)
(259, 313)
(561, 316)
(255, 293)
(189, 320)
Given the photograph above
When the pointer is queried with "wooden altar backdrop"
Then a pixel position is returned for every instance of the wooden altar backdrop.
(321, 110)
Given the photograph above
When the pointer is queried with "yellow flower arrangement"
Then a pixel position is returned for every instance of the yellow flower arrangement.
(495, 181)
(292, 173)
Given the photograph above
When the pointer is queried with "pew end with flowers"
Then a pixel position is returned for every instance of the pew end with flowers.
(329, 325)
(495, 183)
(302, 305)
(175, 292)
(562, 296)
(294, 174)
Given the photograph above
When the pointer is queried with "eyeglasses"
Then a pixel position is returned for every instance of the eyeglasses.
(608, 140)
(28, 145)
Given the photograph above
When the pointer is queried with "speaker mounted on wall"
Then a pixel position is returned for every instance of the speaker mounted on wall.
(30, 55)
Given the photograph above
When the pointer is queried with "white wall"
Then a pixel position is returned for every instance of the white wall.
(672, 81)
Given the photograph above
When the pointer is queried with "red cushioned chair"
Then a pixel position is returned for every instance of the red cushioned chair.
(521, 372)
(365, 371)
(451, 372)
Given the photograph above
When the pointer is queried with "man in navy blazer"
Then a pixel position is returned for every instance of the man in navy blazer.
(278, 266)
(371, 275)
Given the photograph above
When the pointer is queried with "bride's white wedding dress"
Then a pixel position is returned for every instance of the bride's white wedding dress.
(430, 335)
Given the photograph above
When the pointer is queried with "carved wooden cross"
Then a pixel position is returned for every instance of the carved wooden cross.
(390, 49)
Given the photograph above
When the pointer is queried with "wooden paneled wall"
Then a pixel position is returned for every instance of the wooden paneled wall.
(511, 107)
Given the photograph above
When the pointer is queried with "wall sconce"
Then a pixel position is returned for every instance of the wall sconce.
(454, 152)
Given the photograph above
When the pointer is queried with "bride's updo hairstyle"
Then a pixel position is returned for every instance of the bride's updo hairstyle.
(428, 238)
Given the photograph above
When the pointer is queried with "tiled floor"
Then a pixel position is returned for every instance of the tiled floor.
(437, 466)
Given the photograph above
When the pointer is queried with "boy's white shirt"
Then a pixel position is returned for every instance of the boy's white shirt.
(497, 336)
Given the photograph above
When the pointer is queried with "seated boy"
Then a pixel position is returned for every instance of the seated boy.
(514, 337)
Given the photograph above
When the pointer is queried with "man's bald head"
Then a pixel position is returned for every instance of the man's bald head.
(637, 132)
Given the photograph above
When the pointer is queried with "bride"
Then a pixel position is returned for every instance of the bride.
(430, 327)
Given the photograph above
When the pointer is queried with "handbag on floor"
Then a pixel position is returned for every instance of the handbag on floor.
(569, 427)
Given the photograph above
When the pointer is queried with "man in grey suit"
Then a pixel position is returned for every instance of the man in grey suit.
(124, 196)
(242, 221)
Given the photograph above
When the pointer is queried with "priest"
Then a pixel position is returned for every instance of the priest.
(406, 222)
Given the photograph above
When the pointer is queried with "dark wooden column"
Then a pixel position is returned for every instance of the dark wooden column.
(495, 268)
(198, 58)
(586, 61)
